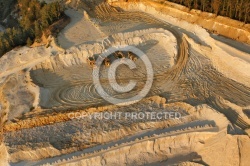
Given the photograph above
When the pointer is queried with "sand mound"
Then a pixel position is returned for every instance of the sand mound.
(78, 31)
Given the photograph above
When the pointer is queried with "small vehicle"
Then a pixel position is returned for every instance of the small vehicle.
(106, 62)
(119, 55)
(91, 61)
(132, 56)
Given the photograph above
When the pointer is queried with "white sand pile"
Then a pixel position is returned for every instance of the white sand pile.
(17, 88)
(79, 30)
(228, 63)
(22, 58)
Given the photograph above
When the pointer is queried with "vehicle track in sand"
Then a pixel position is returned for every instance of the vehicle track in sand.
(192, 77)
(150, 134)
(101, 12)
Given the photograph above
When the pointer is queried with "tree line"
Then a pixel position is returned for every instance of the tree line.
(34, 18)
(234, 9)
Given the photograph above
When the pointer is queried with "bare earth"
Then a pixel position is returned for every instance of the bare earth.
(78, 31)
(204, 79)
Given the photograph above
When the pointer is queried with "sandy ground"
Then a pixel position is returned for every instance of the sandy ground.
(203, 39)
(189, 66)
(78, 31)
(103, 133)
(70, 70)
(234, 52)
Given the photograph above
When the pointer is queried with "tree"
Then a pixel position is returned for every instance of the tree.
(2, 45)
(235, 9)
(29, 42)
(188, 3)
(216, 6)
(231, 8)
(35, 17)
(38, 30)
(203, 5)
(247, 11)
(196, 6)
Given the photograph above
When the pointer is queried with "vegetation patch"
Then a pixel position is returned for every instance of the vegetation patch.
(34, 18)
(234, 9)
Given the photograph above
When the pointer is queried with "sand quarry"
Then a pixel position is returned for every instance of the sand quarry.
(196, 74)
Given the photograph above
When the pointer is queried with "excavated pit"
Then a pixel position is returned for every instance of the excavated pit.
(191, 77)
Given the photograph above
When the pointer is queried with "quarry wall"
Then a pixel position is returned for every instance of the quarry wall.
(216, 24)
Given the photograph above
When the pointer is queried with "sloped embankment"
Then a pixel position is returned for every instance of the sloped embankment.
(217, 24)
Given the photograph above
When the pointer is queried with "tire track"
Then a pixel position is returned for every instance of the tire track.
(192, 77)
